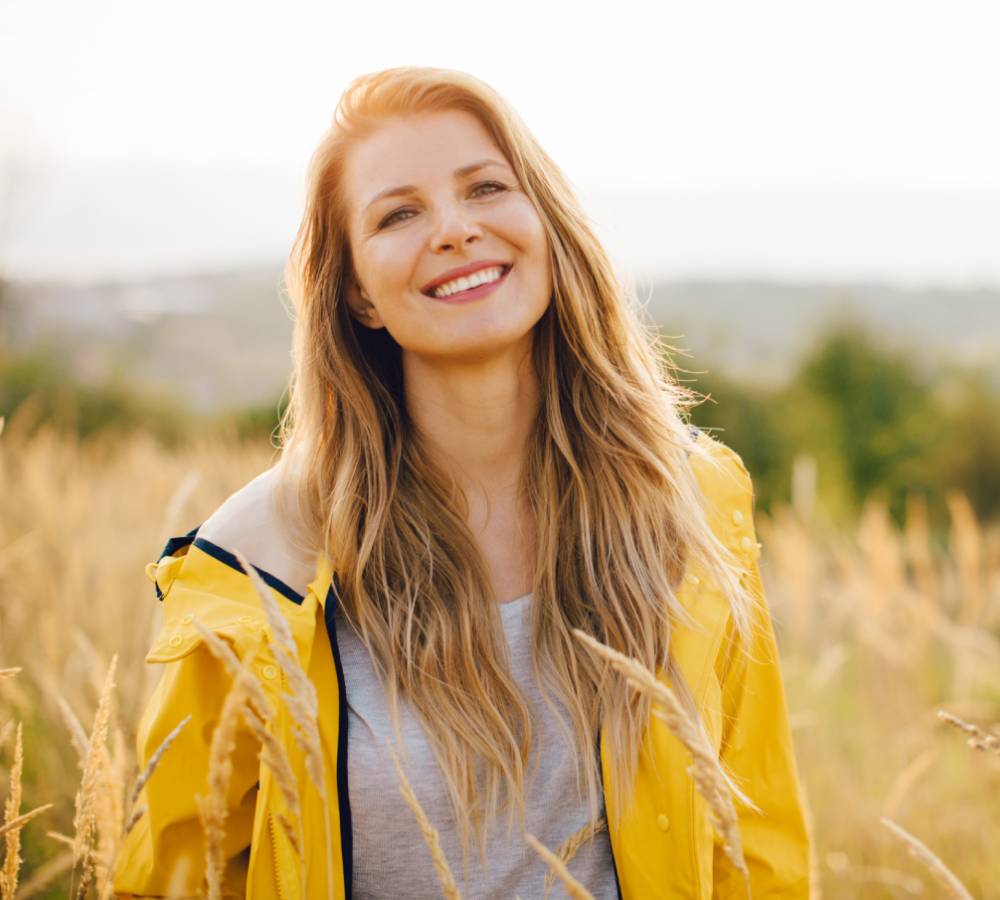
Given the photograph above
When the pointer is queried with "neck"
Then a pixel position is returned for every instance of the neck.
(476, 418)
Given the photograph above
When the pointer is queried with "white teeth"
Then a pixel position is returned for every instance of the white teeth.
(483, 276)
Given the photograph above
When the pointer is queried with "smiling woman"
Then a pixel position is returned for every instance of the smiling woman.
(484, 457)
(465, 212)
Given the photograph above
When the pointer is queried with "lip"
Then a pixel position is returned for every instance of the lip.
(461, 271)
(475, 293)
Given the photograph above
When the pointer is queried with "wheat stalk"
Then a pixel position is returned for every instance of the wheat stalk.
(110, 811)
(135, 812)
(257, 713)
(706, 771)
(59, 838)
(979, 739)
(154, 761)
(23, 819)
(236, 669)
(567, 850)
(76, 731)
(12, 838)
(85, 818)
(918, 850)
(448, 886)
(301, 701)
(573, 887)
(212, 810)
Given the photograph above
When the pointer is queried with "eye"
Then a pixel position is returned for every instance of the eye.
(496, 184)
(392, 217)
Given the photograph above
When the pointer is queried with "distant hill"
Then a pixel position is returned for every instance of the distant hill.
(758, 330)
(223, 339)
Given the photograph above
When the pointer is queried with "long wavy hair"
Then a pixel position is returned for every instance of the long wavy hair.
(608, 480)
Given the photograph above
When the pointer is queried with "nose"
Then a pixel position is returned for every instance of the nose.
(455, 228)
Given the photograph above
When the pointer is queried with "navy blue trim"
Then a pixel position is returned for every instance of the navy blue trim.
(343, 793)
(227, 558)
(611, 846)
(176, 543)
(171, 547)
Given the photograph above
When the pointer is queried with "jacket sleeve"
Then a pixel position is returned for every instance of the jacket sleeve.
(756, 745)
(164, 854)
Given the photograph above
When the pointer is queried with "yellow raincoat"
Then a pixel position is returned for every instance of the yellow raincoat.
(665, 846)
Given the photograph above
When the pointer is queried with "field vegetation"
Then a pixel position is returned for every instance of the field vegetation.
(878, 500)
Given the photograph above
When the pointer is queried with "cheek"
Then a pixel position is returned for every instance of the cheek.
(517, 222)
(390, 263)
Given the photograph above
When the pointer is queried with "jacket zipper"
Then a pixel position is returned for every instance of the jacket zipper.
(274, 851)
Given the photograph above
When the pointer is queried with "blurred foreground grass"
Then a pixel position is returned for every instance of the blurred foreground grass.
(879, 627)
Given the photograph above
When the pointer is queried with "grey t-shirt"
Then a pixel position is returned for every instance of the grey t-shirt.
(391, 859)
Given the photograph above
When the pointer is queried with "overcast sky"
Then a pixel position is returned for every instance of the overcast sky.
(790, 139)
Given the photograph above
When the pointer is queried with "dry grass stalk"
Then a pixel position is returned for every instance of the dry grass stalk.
(567, 850)
(135, 813)
(212, 809)
(154, 761)
(23, 819)
(76, 731)
(706, 771)
(9, 673)
(258, 712)
(448, 886)
(177, 883)
(273, 755)
(918, 850)
(110, 811)
(573, 887)
(12, 839)
(904, 782)
(967, 548)
(979, 739)
(237, 670)
(85, 818)
(917, 539)
(301, 701)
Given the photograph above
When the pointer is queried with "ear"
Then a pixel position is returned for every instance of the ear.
(361, 308)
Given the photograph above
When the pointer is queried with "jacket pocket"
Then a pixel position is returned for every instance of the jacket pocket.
(240, 625)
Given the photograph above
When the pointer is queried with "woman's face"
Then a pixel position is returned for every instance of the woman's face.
(458, 205)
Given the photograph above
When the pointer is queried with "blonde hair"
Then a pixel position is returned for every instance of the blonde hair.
(618, 512)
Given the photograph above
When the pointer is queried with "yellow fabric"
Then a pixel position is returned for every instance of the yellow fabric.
(664, 847)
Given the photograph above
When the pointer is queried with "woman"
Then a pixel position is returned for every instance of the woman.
(483, 452)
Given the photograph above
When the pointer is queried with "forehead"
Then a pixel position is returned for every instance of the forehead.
(417, 149)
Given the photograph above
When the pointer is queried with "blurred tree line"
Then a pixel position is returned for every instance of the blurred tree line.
(872, 421)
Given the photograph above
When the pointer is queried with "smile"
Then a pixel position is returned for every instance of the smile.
(471, 287)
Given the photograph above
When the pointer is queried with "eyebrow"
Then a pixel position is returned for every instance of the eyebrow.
(409, 188)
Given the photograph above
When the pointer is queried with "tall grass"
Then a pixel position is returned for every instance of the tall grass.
(880, 628)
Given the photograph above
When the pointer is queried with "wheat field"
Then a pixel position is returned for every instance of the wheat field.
(890, 646)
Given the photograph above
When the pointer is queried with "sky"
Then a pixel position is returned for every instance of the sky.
(787, 139)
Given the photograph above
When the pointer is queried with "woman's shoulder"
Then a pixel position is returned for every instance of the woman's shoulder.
(199, 575)
(727, 494)
(718, 468)
(251, 523)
